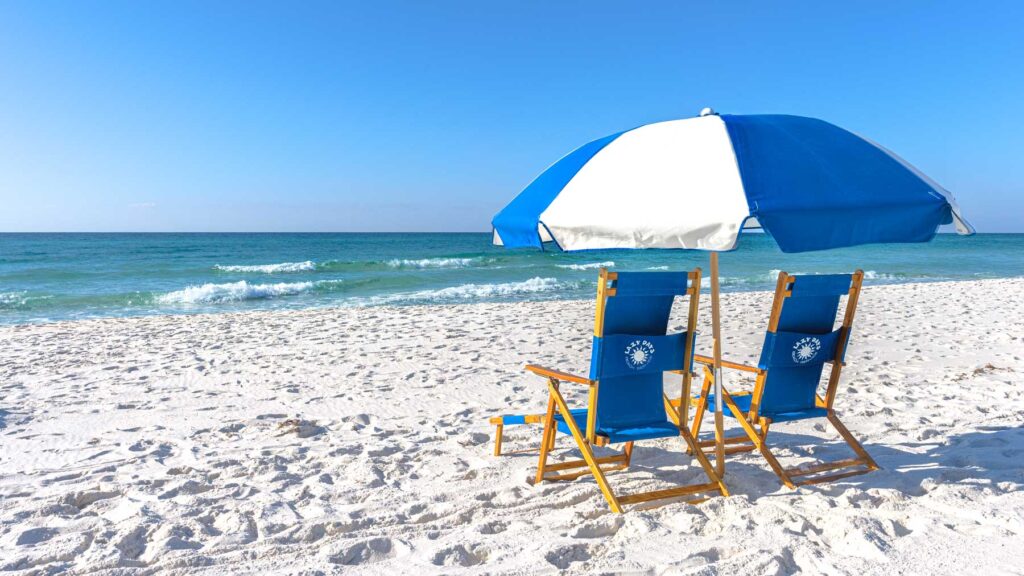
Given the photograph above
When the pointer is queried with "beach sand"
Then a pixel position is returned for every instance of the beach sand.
(356, 440)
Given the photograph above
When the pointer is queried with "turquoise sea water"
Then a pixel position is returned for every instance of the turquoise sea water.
(47, 277)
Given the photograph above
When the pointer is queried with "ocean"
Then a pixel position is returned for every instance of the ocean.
(51, 277)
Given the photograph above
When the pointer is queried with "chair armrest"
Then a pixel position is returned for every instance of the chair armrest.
(682, 372)
(557, 375)
(705, 360)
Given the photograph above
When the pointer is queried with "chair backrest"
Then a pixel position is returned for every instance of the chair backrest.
(802, 337)
(632, 348)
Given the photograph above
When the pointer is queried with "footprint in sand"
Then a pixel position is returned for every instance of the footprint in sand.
(563, 557)
(141, 445)
(34, 536)
(132, 545)
(496, 527)
(58, 548)
(300, 428)
(599, 529)
(188, 487)
(82, 500)
(168, 538)
(368, 552)
(460, 555)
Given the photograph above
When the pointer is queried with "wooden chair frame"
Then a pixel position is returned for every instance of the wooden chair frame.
(755, 427)
(499, 430)
(590, 464)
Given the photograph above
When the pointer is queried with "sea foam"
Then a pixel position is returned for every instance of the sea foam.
(12, 299)
(432, 263)
(233, 292)
(590, 266)
(872, 275)
(868, 275)
(474, 291)
(270, 268)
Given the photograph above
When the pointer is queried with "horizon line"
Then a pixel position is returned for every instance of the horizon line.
(341, 232)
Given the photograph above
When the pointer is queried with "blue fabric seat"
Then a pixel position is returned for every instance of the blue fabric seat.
(624, 433)
(743, 402)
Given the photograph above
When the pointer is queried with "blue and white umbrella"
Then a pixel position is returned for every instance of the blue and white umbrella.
(697, 183)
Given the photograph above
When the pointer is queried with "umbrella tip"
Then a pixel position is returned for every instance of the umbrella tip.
(708, 112)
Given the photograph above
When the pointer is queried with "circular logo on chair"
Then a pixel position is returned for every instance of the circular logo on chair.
(639, 354)
(806, 349)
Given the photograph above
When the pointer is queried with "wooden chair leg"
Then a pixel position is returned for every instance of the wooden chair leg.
(702, 405)
(757, 439)
(862, 464)
(585, 450)
(709, 470)
(851, 441)
(715, 485)
(593, 464)
(670, 409)
(546, 439)
(764, 423)
(776, 467)
(497, 439)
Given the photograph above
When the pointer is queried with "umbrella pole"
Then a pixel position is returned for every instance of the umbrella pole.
(717, 346)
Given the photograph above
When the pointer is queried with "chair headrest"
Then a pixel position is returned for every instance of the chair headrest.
(812, 304)
(821, 285)
(640, 284)
(642, 301)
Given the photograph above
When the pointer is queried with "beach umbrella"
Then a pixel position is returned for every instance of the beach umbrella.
(697, 183)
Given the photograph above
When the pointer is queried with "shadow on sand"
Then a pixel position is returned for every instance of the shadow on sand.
(989, 456)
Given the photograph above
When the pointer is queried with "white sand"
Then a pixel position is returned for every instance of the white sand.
(355, 440)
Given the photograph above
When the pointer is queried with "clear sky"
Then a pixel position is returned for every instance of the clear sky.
(424, 116)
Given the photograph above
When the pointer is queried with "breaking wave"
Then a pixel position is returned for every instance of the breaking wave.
(233, 292)
(872, 275)
(868, 275)
(355, 266)
(11, 300)
(590, 266)
(306, 266)
(432, 263)
(475, 291)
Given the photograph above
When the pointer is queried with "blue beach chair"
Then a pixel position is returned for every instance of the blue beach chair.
(626, 401)
(800, 340)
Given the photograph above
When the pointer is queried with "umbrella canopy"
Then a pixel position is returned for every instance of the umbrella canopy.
(697, 182)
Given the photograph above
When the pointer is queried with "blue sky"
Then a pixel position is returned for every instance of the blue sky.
(426, 116)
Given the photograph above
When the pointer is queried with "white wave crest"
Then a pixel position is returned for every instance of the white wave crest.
(474, 291)
(868, 275)
(658, 268)
(12, 299)
(270, 268)
(705, 281)
(590, 266)
(233, 292)
(432, 263)
(872, 275)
